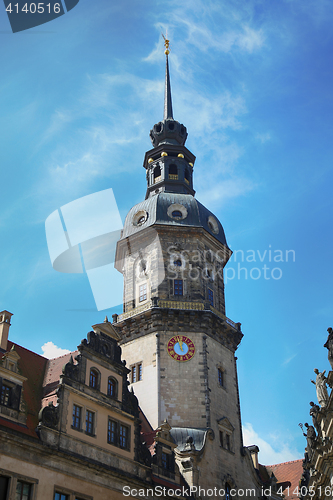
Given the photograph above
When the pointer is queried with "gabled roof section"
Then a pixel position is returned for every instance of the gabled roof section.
(32, 366)
(53, 372)
(288, 475)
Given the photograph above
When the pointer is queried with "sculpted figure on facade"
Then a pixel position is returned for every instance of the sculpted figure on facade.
(320, 383)
(314, 413)
(329, 345)
(310, 437)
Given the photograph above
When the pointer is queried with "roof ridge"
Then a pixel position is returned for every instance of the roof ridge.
(283, 463)
(63, 355)
(25, 349)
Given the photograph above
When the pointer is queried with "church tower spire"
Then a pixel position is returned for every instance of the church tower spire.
(174, 333)
(169, 164)
(167, 92)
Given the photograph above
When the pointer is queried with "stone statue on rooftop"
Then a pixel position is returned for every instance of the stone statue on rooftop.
(314, 411)
(320, 383)
(329, 345)
(310, 437)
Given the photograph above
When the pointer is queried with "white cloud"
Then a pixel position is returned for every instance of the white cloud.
(50, 350)
(268, 455)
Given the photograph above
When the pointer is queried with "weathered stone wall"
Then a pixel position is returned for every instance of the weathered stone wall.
(143, 350)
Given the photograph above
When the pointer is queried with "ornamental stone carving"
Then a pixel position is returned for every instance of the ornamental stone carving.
(48, 416)
(321, 389)
(329, 346)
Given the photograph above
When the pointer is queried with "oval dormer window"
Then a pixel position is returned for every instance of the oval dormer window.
(140, 218)
(177, 211)
(213, 225)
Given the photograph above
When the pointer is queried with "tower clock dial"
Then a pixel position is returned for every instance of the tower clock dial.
(181, 348)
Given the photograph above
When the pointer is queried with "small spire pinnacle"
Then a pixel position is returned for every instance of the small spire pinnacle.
(167, 92)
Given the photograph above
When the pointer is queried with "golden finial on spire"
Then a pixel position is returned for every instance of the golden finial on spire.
(166, 44)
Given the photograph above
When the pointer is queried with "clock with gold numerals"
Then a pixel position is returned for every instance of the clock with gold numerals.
(181, 348)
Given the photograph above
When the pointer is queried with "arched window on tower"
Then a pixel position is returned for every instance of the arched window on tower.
(157, 174)
(112, 387)
(94, 378)
(173, 171)
(187, 176)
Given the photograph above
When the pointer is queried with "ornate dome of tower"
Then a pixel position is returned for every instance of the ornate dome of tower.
(172, 209)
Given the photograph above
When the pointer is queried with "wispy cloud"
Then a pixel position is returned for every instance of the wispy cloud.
(290, 358)
(268, 455)
(264, 137)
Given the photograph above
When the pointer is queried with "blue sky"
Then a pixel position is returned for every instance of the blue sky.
(252, 81)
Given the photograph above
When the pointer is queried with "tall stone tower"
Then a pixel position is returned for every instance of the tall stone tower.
(175, 336)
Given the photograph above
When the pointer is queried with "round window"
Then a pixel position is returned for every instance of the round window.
(177, 211)
(213, 225)
(140, 218)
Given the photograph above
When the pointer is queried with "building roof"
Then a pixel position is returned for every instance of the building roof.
(53, 372)
(32, 366)
(156, 208)
(43, 377)
(288, 475)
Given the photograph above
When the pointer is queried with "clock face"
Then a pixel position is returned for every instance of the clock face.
(181, 348)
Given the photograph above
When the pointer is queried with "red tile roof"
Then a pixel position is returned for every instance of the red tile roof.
(53, 372)
(288, 475)
(147, 432)
(32, 366)
(39, 389)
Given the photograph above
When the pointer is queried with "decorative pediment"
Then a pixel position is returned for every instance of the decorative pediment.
(9, 368)
(225, 424)
(102, 344)
(107, 328)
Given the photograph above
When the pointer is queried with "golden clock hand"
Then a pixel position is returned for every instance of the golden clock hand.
(180, 342)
